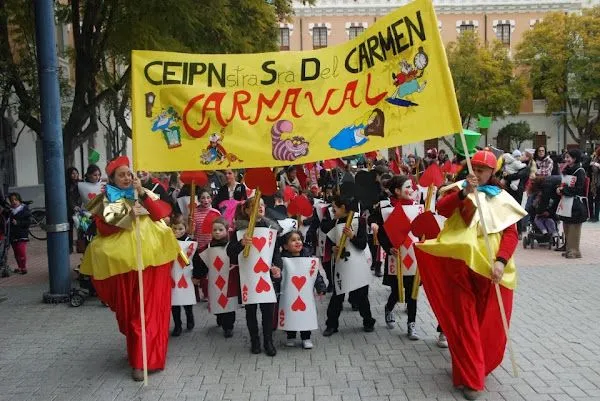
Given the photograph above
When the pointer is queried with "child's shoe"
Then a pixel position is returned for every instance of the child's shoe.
(412, 332)
(390, 321)
(176, 331)
(442, 341)
(307, 344)
(291, 342)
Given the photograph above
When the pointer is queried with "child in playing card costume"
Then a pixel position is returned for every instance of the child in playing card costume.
(111, 261)
(352, 271)
(223, 277)
(401, 191)
(293, 247)
(182, 293)
(203, 211)
(235, 252)
(459, 280)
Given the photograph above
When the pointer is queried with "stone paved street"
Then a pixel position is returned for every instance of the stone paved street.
(56, 352)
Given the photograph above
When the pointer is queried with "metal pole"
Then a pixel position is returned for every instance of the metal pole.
(54, 178)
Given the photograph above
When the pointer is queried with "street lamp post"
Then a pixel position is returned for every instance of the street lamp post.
(54, 179)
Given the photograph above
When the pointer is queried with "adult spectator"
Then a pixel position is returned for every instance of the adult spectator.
(543, 162)
(231, 190)
(289, 178)
(73, 200)
(594, 191)
(572, 208)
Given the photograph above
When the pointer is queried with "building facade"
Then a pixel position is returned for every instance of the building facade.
(332, 22)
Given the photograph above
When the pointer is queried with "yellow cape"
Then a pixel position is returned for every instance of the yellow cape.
(457, 240)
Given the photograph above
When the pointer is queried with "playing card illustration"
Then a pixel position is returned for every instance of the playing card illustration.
(297, 300)
(353, 267)
(219, 297)
(255, 276)
(182, 290)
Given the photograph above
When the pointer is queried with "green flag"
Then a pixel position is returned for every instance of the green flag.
(485, 122)
(93, 156)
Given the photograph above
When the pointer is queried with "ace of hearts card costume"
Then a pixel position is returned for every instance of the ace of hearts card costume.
(456, 274)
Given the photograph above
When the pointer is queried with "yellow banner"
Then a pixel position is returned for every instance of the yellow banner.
(387, 87)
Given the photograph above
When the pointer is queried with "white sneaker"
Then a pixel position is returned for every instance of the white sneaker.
(442, 341)
(291, 342)
(390, 320)
(307, 344)
(412, 332)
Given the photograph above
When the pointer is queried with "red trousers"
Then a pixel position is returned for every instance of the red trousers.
(20, 250)
(466, 306)
(121, 293)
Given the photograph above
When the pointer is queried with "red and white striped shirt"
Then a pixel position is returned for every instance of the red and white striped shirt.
(199, 216)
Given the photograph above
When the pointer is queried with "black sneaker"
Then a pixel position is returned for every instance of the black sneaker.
(190, 323)
(176, 331)
(329, 331)
(369, 329)
(228, 333)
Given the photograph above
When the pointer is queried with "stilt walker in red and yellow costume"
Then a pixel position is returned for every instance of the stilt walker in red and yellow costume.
(457, 276)
(111, 261)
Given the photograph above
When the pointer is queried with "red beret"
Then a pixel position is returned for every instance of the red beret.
(116, 163)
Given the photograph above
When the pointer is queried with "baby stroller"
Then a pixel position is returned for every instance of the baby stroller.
(4, 241)
(544, 228)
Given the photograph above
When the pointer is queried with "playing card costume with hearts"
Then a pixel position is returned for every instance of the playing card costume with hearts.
(88, 191)
(111, 261)
(456, 274)
(220, 298)
(255, 277)
(297, 309)
(182, 292)
(353, 269)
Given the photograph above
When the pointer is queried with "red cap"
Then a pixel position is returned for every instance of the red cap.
(484, 158)
(116, 163)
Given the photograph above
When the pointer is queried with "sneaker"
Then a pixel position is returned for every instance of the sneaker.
(390, 321)
(290, 342)
(176, 331)
(369, 329)
(228, 333)
(307, 344)
(412, 332)
(442, 341)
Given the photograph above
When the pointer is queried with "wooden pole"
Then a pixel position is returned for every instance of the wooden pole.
(140, 269)
(417, 281)
(343, 239)
(252, 222)
(400, 276)
(192, 208)
(491, 258)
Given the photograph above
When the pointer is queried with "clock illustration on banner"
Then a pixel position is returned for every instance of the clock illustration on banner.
(421, 60)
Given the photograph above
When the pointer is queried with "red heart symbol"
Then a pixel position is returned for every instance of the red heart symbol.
(245, 293)
(262, 286)
(259, 243)
(261, 266)
(182, 283)
(299, 281)
(298, 305)
(91, 196)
